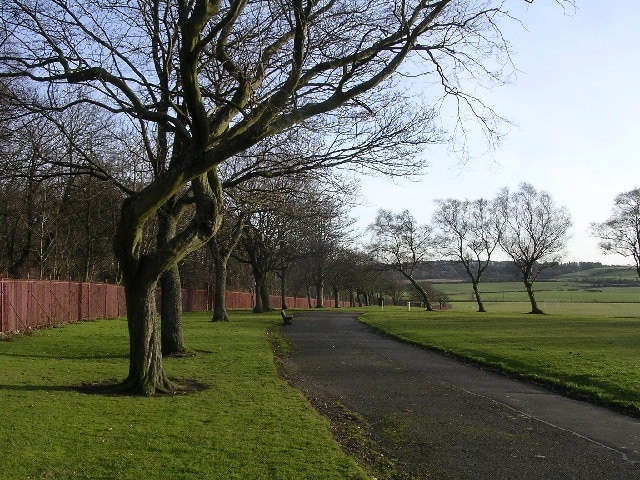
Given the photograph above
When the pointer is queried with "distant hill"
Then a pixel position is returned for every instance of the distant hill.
(505, 271)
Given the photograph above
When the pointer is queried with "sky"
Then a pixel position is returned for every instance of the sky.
(574, 107)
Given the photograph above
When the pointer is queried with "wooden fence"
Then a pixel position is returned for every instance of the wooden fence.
(27, 304)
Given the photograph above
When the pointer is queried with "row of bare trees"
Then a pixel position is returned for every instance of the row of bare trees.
(524, 224)
(61, 226)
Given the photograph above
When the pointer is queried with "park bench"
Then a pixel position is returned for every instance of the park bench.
(286, 319)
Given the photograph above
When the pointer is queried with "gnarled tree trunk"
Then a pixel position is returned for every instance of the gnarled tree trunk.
(146, 371)
(476, 293)
(220, 288)
(171, 301)
(171, 313)
(534, 305)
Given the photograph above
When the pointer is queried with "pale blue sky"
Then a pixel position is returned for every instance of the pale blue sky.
(575, 105)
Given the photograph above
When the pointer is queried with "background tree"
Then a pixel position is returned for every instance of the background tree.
(394, 286)
(222, 78)
(534, 232)
(298, 208)
(400, 244)
(324, 232)
(260, 242)
(55, 224)
(620, 233)
(469, 234)
(342, 273)
(222, 246)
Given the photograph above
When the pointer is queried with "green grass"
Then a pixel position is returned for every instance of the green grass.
(248, 423)
(591, 350)
(610, 272)
(551, 291)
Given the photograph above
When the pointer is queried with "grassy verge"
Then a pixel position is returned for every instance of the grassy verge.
(248, 423)
(581, 350)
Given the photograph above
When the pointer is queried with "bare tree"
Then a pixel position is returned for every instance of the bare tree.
(469, 234)
(221, 78)
(620, 233)
(394, 286)
(323, 231)
(534, 232)
(400, 244)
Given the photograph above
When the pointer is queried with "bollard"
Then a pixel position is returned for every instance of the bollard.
(408, 306)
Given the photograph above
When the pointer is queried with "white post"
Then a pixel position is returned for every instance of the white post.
(408, 306)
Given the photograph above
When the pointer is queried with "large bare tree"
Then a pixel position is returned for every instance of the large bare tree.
(219, 78)
(399, 243)
(620, 233)
(470, 235)
(534, 232)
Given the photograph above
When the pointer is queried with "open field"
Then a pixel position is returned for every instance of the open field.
(591, 350)
(605, 272)
(553, 291)
(248, 423)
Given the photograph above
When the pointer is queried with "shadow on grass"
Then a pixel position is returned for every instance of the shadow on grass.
(38, 388)
(64, 357)
(180, 386)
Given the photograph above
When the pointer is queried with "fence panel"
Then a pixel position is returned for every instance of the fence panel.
(26, 304)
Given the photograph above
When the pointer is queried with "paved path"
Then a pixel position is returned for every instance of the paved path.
(444, 419)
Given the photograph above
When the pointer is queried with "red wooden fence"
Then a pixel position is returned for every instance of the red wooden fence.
(27, 304)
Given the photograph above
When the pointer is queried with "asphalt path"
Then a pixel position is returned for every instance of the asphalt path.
(444, 419)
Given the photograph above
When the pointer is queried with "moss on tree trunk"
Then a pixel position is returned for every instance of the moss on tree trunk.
(146, 370)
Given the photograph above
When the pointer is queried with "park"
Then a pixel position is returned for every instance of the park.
(152, 151)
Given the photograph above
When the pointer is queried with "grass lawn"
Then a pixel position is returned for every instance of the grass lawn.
(590, 349)
(248, 423)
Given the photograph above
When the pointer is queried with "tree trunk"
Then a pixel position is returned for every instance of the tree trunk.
(142, 269)
(320, 294)
(283, 295)
(309, 296)
(220, 313)
(534, 306)
(423, 294)
(266, 299)
(146, 371)
(476, 292)
(336, 297)
(171, 313)
(220, 288)
(171, 302)
(258, 307)
(221, 254)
